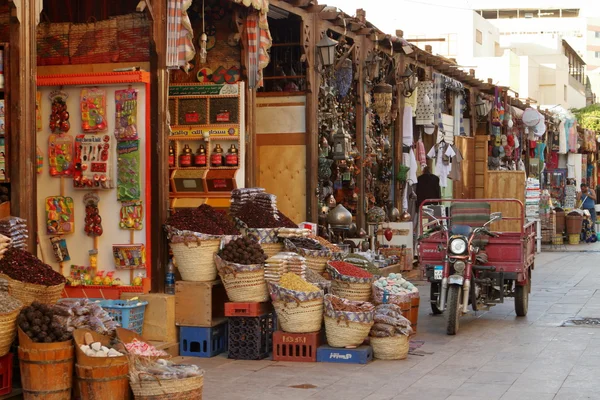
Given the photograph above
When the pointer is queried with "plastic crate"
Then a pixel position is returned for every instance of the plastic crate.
(250, 338)
(299, 347)
(129, 314)
(203, 342)
(6, 369)
(360, 355)
(247, 309)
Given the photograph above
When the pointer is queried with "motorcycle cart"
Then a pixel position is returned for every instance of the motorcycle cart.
(468, 262)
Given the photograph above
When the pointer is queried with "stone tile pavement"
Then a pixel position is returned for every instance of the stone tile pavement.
(494, 356)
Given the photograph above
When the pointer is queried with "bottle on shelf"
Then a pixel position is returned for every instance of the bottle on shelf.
(171, 156)
(200, 158)
(216, 158)
(170, 279)
(185, 159)
(232, 159)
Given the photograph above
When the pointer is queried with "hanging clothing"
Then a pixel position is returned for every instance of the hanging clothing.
(424, 111)
(438, 101)
(421, 154)
(540, 148)
(428, 187)
(180, 35)
(407, 127)
(573, 139)
(562, 138)
(412, 101)
(442, 153)
(456, 172)
(410, 161)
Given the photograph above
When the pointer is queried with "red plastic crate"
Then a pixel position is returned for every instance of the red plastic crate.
(299, 347)
(6, 367)
(246, 309)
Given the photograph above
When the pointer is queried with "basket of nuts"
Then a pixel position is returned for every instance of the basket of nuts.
(241, 267)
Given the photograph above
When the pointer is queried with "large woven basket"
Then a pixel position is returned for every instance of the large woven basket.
(195, 259)
(133, 31)
(243, 283)
(344, 333)
(173, 389)
(271, 249)
(299, 317)
(27, 293)
(351, 291)
(94, 42)
(52, 40)
(317, 264)
(390, 348)
(8, 330)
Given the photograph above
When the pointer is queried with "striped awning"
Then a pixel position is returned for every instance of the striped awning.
(260, 5)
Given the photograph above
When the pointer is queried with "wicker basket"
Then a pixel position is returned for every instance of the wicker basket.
(52, 43)
(317, 264)
(94, 42)
(133, 31)
(173, 389)
(299, 317)
(243, 283)
(390, 348)
(27, 293)
(271, 249)
(574, 238)
(351, 291)
(344, 333)
(8, 330)
(195, 259)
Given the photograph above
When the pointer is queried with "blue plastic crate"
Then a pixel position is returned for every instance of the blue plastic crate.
(360, 355)
(203, 342)
(129, 314)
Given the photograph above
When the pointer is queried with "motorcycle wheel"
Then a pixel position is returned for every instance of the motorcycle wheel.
(433, 295)
(454, 295)
(522, 299)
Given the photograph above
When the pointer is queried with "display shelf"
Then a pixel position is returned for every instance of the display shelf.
(95, 78)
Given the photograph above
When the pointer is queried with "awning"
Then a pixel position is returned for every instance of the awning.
(260, 5)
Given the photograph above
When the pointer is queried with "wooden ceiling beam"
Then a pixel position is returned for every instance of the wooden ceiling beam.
(329, 15)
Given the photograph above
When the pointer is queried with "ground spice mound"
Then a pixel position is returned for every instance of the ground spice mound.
(203, 219)
(256, 216)
(25, 267)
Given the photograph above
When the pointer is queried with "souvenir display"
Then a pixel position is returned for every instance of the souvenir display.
(93, 221)
(59, 118)
(126, 114)
(60, 155)
(59, 245)
(93, 110)
(132, 215)
(93, 162)
(38, 111)
(128, 170)
(60, 218)
(129, 256)
(39, 158)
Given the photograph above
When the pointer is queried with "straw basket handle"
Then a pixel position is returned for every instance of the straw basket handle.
(228, 271)
(343, 317)
(347, 284)
(191, 241)
(289, 299)
(145, 373)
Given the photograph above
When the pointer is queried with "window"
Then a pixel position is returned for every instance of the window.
(570, 13)
(508, 14)
(565, 92)
(549, 13)
(597, 54)
(489, 14)
(478, 36)
(597, 34)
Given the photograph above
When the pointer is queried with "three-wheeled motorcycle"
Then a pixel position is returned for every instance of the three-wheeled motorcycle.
(468, 262)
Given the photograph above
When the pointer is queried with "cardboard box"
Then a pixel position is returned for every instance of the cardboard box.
(199, 303)
(159, 318)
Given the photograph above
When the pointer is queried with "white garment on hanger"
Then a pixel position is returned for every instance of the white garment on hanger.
(410, 160)
(562, 138)
(442, 169)
(407, 127)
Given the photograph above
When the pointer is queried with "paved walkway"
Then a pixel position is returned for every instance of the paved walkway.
(495, 355)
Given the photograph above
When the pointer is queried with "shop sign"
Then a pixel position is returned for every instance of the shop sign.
(204, 90)
(212, 131)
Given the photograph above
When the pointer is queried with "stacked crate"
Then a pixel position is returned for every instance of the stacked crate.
(548, 219)
(251, 327)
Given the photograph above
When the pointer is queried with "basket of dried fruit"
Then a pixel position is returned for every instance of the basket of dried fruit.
(347, 323)
(241, 267)
(298, 304)
(29, 279)
(195, 235)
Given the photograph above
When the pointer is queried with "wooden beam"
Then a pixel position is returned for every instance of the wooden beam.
(329, 15)
(311, 34)
(426, 40)
(364, 31)
(159, 105)
(316, 8)
(300, 3)
(23, 87)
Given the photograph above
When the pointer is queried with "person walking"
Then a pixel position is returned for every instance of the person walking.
(588, 202)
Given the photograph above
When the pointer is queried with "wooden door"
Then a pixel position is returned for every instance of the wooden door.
(464, 189)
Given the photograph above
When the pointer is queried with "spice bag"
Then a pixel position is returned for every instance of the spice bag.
(390, 348)
(349, 287)
(27, 293)
(315, 259)
(345, 328)
(243, 283)
(94, 42)
(297, 312)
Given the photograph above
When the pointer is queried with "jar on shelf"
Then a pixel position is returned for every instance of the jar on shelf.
(185, 159)
(200, 158)
(216, 158)
(232, 158)
(171, 156)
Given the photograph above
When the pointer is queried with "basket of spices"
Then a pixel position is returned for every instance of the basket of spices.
(29, 279)
(347, 323)
(349, 281)
(9, 311)
(389, 335)
(298, 304)
(318, 281)
(315, 253)
(195, 235)
(241, 267)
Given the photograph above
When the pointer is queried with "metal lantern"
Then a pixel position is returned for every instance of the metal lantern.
(341, 144)
(481, 108)
(382, 99)
(410, 81)
(339, 217)
(326, 48)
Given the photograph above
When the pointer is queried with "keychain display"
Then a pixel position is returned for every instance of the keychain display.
(93, 162)
(93, 110)
(129, 256)
(59, 116)
(132, 215)
(59, 246)
(126, 114)
(93, 221)
(60, 218)
(60, 155)
(39, 158)
(128, 170)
